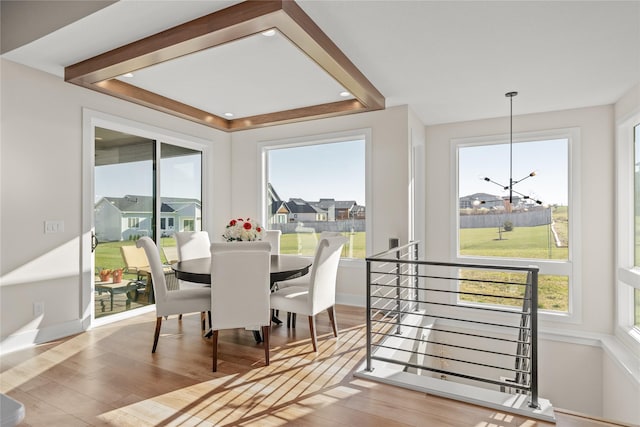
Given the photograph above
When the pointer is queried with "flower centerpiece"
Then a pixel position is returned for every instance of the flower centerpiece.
(242, 230)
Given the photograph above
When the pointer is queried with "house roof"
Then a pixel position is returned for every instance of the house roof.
(297, 206)
(136, 203)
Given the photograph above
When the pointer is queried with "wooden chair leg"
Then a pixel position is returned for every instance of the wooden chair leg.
(265, 339)
(202, 319)
(288, 319)
(214, 338)
(312, 330)
(157, 334)
(332, 317)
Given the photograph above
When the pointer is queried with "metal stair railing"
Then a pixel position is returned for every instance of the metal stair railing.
(476, 323)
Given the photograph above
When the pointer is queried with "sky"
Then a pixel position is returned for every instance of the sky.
(337, 170)
(181, 177)
(548, 159)
(332, 170)
(328, 171)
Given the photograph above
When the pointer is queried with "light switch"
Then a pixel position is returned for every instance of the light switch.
(51, 226)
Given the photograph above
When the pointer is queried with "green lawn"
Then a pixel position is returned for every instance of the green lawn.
(108, 253)
(523, 242)
(304, 244)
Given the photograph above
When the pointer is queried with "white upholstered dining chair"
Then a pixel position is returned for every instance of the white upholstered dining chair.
(304, 280)
(192, 244)
(174, 302)
(240, 290)
(273, 237)
(316, 291)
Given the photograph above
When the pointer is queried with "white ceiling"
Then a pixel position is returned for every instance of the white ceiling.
(448, 60)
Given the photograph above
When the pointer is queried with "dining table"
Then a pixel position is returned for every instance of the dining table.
(283, 267)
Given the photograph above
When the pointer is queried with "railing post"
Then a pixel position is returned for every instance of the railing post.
(415, 277)
(368, 337)
(534, 339)
(393, 243)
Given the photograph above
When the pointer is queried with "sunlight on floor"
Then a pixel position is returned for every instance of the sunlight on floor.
(58, 353)
(262, 396)
(503, 420)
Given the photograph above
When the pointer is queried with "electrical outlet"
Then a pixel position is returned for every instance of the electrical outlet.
(51, 226)
(38, 308)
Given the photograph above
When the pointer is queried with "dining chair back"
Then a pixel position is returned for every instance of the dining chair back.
(316, 291)
(192, 244)
(273, 237)
(174, 302)
(240, 289)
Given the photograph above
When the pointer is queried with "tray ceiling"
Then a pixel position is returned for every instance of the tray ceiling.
(198, 70)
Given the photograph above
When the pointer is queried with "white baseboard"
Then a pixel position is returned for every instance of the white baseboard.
(26, 339)
(351, 299)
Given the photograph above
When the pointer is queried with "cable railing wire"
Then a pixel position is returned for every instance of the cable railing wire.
(397, 288)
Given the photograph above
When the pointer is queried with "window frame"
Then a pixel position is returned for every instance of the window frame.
(627, 274)
(133, 222)
(569, 267)
(327, 138)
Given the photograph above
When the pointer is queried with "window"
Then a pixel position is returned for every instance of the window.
(530, 225)
(628, 227)
(134, 222)
(314, 186)
(189, 225)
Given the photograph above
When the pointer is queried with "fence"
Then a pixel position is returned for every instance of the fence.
(342, 226)
(463, 322)
(530, 218)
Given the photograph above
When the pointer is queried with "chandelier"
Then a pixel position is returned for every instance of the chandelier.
(512, 182)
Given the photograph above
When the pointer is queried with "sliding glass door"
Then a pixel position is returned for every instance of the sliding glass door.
(142, 187)
(180, 175)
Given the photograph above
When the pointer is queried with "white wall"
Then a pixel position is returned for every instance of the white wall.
(41, 179)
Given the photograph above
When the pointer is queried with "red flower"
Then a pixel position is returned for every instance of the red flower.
(232, 223)
(247, 226)
(258, 229)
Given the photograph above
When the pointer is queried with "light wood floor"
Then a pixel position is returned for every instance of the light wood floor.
(108, 377)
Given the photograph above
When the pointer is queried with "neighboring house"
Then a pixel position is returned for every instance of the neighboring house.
(124, 218)
(358, 212)
(336, 210)
(297, 210)
(300, 210)
(278, 211)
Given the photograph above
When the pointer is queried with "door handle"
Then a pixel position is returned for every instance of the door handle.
(94, 242)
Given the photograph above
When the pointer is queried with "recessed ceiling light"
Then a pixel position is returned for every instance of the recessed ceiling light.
(129, 75)
(344, 94)
(269, 33)
(228, 114)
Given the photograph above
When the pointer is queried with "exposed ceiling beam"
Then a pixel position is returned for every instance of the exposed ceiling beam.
(244, 19)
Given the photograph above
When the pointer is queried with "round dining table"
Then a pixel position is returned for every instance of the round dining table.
(283, 267)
